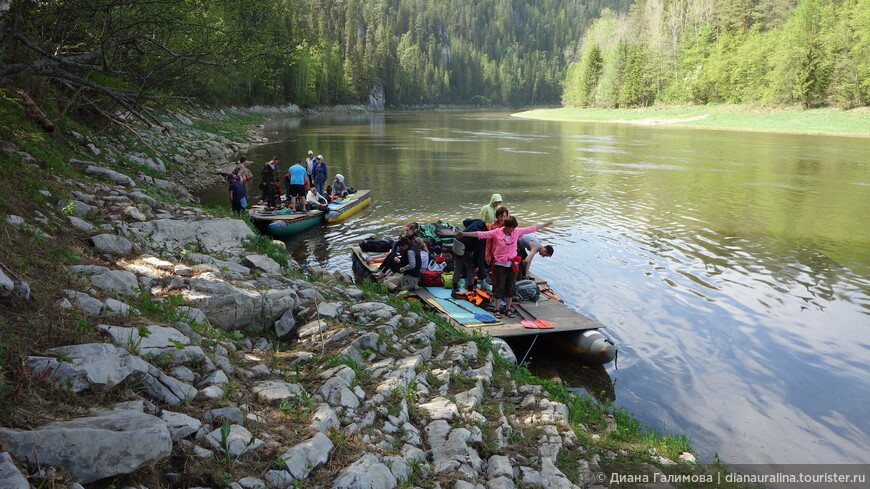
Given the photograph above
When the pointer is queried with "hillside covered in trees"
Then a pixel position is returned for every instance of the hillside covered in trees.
(105, 54)
(808, 52)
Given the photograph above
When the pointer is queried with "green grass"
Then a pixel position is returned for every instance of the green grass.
(827, 121)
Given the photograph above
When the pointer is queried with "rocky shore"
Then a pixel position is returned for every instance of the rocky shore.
(208, 359)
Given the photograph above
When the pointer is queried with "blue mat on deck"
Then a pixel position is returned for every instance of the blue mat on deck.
(458, 313)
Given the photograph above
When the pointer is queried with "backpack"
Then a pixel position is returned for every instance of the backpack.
(527, 290)
(372, 244)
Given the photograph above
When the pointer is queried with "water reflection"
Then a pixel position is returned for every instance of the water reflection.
(733, 269)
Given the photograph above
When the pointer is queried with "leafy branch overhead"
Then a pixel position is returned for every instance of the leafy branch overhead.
(113, 56)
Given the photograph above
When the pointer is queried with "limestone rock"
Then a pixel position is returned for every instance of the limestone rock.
(85, 302)
(180, 425)
(306, 456)
(239, 441)
(262, 262)
(369, 472)
(101, 367)
(118, 281)
(232, 307)
(210, 235)
(81, 224)
(93, 448)
(112, 244)
(158, 340)
(324, 419)
(10, 476)
(107, 174)
(275, 391)
(284, 326)
(6, 284)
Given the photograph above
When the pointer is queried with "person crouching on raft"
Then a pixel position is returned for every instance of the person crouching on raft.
(506, 259)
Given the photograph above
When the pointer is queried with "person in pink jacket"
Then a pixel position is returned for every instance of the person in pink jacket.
(505, 257)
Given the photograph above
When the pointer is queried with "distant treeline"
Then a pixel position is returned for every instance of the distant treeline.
(808, 52)
(106, 53)
(513, 52)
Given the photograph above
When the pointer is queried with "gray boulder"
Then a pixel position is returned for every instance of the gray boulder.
(10, 476)
(369, 472)
(100, 366)
(262, 262)
(93, 448)
(81, 224)
(306, 456)
(232, 307)
(110, 175)
(118, 281)
(159, 340)
(111, 243)
(85, 302)
(210, 235)
(285, 324)
(6, 284)
(77, 207)
(180, 425)
(239, 441)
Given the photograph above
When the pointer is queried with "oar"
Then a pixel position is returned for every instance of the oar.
(525, 322)
(540, 323)
(484, 318)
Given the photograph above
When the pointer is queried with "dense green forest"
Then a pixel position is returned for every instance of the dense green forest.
(808, 52)
(109, 55)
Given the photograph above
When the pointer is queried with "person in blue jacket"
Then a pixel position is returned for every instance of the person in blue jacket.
(321, 174)
(238, 194)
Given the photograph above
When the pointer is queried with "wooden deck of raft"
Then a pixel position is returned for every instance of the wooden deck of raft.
(557, 313)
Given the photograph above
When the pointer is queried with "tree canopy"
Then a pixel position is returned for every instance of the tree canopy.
(807, 52)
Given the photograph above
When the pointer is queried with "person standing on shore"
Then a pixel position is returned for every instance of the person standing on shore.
(321, 174)
(269, 183)
(487, 212)
(238, 194)
(242, 171)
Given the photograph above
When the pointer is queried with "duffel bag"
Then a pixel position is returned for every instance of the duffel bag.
(431, 278)
(373, 245)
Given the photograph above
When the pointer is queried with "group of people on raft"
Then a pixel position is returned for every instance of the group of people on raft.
(313, 176)
(491, 250)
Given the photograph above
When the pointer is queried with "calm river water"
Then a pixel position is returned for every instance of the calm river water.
(732, 269)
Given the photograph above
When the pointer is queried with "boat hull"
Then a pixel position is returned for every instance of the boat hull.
(283, 229)
(359, 201)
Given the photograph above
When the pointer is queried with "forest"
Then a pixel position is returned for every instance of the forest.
(811, 53)
(106, 55)
(119, 56)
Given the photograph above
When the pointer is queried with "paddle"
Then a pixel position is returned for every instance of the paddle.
(540, 323)
(525, 322)
(484, 318)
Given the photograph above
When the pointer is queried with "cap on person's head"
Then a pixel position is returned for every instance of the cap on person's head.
(319, 157)
(310, 152)
(339, 177)
(232, 176)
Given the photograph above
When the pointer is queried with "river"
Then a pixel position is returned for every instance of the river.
(731, 268)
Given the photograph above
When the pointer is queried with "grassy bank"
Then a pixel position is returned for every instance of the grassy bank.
(833, 122)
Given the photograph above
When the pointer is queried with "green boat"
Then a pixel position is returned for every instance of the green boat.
(284, 222)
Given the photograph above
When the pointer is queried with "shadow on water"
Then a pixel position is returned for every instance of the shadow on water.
(550, 363)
